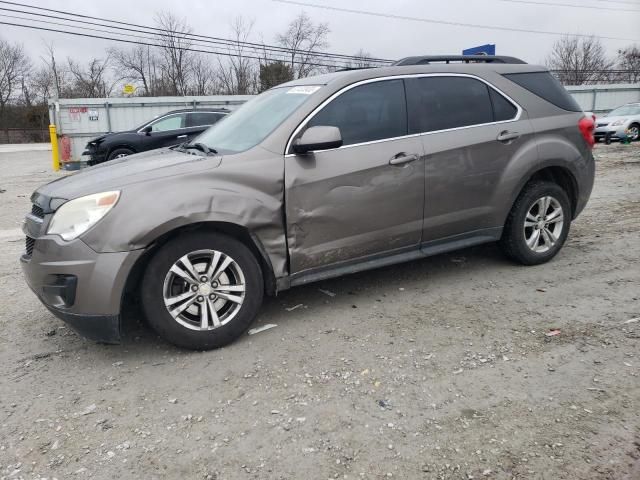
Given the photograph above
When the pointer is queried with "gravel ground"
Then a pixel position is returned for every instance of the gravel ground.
(440, 368)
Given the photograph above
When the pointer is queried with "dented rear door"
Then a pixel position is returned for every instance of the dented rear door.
(365, 197)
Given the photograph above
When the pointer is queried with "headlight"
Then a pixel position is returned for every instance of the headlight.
(619, 122)
(77, 216)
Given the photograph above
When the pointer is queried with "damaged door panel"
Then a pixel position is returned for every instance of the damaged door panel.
(363, 198)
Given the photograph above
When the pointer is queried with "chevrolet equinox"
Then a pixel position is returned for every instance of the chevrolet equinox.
(313, 179)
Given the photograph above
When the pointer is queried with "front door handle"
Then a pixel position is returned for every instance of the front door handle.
(182, 136)
(507, 136)
(402, 158)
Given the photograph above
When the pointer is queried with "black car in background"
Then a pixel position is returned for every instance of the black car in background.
(172, 128)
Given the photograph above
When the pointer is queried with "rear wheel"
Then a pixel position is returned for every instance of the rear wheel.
(119, 153)
(538, 224)
(202, 290)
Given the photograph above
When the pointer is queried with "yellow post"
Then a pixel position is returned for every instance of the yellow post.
(55, 154)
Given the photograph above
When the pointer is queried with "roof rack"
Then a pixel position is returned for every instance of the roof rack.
(428, 59)
(348, 69)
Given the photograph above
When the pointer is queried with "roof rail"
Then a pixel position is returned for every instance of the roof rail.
(348, 69)
(428, 59)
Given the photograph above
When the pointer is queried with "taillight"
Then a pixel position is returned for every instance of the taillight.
(587, 126)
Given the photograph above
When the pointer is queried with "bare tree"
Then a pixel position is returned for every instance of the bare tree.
(305, 40)
(629, 63)
(41, 85)
(579, 60)
(363, 60)
(58, 75)
(138, 64)
(92, 81)
(14, 67)
(176, 61)
(237, 73)
(204, 81)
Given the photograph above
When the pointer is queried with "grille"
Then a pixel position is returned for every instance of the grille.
(37, 211)
(602, 124)
(29, 243)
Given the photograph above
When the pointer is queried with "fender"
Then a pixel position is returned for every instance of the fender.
(552, 151)
(245, 192)
(120, 145)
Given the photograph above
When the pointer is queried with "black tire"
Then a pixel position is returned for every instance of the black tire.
(513, 241)
(120, 152)
(638, 127)
(153, 287)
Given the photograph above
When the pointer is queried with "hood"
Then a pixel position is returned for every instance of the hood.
(606, 119)
(116, 174)
(108, 135)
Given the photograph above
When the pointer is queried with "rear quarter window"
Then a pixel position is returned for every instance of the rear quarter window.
(198, 119)
(547, 87)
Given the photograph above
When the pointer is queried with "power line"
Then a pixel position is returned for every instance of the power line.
(164, 46)
(191, 36)
(111, 32)
(443, 22)
(572, 5)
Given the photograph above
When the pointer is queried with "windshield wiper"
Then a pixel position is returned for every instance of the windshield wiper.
(200, 146)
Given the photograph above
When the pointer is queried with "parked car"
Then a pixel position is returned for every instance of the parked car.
(172, 128)
(316, 178)
(621, 122)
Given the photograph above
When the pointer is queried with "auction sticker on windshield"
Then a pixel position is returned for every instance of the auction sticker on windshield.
(304, 89)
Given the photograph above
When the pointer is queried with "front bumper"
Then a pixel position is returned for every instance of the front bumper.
(609, 131)
(93, 156)
(78, 285)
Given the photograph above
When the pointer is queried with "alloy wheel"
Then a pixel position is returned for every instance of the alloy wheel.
(543, 224)
(204, 290)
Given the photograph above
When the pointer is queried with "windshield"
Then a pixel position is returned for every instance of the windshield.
(254, 120)
(625, 110)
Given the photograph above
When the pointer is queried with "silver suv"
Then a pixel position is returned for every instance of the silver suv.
(313, 179)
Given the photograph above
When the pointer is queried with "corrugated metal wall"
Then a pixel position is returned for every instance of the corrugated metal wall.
(82, 119)
(602, 98)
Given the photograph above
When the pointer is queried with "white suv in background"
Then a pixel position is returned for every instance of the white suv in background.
(617, 122)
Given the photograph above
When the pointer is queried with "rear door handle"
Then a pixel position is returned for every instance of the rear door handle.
(182, 136)
(507, 136)
(402, 158)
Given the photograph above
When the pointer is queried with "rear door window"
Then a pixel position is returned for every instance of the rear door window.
(198, 119)
(546, 86)
(172, 122)
(440, 103)
(369, 112)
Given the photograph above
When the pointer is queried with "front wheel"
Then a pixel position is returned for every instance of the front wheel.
(538, 224)
(634, 132)
(202, 290)
(120, 153)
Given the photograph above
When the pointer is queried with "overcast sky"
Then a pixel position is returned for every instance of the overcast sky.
(382, 37)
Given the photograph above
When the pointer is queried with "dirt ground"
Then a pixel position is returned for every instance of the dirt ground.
(437, 369)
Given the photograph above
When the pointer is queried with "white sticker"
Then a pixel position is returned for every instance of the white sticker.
(304, 89)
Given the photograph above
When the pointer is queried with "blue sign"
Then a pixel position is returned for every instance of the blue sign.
(488, 49)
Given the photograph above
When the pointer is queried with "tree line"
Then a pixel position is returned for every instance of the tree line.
(584, 61)
(169, 67)
(172, 66)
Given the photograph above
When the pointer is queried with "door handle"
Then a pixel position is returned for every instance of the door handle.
(402, 158)
(182, 136)
(506, 136)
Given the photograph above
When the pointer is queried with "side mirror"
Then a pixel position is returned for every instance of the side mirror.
(147, 130)
(318, 138)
